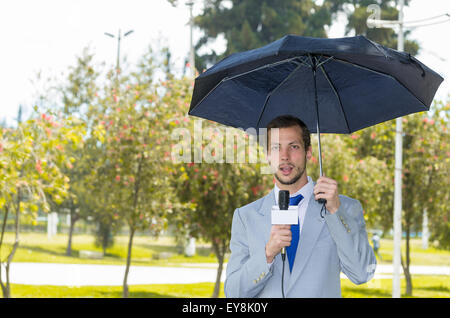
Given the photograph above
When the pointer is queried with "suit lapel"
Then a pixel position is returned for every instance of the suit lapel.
(265, 211)
(267, 203)
(312, 227)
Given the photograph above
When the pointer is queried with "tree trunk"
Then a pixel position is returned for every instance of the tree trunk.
(4, 291)
(69, 243)
(73, 219)
(7, 288)
(127, 269)
(219, 275)
(107, 235)
(132, 228)
(220, 254)
(408, 261)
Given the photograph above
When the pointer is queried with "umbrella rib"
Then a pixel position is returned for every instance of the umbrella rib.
(376, 47)
(278, 86)
(293, 59)
(336, 93)
(382, 74)
(303, 62)
(323, 62)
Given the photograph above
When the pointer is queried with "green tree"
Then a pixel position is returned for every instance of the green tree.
(357, 14)
(214, 183)
(362, 178)
(30, 159)
(132, 178)
(79, 90)
(250, 24)
(425, 170)
(76, 97)
(436, 147)
(217, 190)
(104, 235)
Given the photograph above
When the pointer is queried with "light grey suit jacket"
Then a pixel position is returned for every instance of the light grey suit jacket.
(338, 242)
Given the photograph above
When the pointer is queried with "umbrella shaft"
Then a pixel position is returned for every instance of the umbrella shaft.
(317, 115)
(314, 64)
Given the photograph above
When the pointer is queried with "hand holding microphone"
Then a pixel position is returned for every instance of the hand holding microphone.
(280, 234)
(280, 237)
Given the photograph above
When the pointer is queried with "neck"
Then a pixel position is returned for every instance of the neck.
(293, 188)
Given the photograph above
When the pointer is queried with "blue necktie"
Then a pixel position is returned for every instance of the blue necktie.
(295, 229)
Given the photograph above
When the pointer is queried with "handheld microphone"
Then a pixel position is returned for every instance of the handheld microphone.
(283, 203)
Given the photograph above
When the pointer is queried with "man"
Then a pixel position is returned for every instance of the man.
(376, 244)
(328, 242)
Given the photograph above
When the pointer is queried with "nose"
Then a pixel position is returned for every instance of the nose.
(284, 154)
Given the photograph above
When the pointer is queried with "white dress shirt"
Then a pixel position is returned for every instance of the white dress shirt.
(306, 191)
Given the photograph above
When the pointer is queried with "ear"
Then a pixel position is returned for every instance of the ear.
(309, 153)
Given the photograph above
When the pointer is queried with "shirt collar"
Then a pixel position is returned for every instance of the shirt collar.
(306, 191)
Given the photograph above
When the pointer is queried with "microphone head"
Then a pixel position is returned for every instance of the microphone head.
(283, 199)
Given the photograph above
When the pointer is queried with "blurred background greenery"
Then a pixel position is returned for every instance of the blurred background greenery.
(98, 152)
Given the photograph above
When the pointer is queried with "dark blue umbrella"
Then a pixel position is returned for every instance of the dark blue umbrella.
(333, 85)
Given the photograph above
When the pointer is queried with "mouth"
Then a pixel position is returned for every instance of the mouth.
(286, 169)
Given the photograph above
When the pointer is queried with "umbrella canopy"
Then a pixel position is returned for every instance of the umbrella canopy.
(334, 85)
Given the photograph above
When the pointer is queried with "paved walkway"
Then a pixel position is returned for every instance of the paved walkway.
(112, 275)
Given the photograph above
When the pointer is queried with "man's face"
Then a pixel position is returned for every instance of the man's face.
(287, 155)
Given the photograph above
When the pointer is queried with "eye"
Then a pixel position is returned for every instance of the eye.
(274, 147)
(295, 147)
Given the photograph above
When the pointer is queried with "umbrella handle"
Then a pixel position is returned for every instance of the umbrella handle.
(321, 200)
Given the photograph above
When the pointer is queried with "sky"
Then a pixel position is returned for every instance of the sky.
(46, 36)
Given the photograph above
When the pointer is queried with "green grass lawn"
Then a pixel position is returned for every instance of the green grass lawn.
(424, 287)
(419, 256)
(35, 247)
(200, 290)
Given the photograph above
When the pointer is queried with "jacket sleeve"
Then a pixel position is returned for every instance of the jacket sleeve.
(247, 269)
(348, 230)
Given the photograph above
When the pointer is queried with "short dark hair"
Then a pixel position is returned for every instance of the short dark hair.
(285, 121)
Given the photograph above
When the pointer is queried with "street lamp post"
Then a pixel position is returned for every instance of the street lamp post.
(398, 178)
(119, 37)
(396, 260)
(190, 248)
(190, 4)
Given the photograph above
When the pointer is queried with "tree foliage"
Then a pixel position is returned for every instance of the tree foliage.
(132, 129)
(247, 25)
(213, 182)
(250, 24)
(425, 186)
(357, 13)
(31, 157)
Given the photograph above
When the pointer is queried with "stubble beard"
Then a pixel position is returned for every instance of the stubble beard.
(300, 172)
